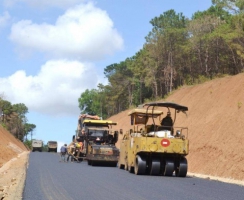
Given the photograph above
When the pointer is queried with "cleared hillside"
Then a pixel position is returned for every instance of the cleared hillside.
(10, 147)
(216, 126)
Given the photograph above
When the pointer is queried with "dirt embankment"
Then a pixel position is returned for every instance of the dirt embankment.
(13, 161)
(216, 123)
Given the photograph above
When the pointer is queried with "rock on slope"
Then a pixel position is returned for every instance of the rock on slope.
(216, 123)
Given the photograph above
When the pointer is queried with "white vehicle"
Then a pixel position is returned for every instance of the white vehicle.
(37, 145)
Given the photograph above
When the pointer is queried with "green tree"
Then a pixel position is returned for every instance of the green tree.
(28, 129)
(14, 118)
(164, 44)
(89, 102)
(177, 51)
(21, 110)
(28, 144)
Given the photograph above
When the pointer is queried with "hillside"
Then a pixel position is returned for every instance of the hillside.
(10, 147)
(216, 123)
(13, 163)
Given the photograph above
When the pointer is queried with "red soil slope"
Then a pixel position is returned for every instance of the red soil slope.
(10, 147)
(216, 126)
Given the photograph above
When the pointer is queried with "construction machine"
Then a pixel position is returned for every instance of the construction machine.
(52, 146)
(98, 138)
(155, 146)
(37, 145)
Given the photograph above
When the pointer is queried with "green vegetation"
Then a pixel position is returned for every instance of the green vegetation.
(177, 51)
(27, 143)
(45, 148)
(13, 118)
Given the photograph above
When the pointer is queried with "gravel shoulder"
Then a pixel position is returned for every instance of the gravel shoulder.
(13, 175)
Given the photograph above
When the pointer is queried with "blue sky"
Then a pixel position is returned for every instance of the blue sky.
(52, 51)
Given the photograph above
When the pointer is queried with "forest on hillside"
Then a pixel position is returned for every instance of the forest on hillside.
(177, 51)
(13, 118)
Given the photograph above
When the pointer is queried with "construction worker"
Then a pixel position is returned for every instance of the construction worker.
(78, 149)
(167, 123)
(63, 152)
(71, 151)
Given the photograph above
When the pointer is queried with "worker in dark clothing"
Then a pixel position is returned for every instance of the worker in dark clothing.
(167, 122)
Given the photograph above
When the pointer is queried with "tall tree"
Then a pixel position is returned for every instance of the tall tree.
(164, 43)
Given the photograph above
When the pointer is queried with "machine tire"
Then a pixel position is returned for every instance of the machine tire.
(93, 163)
(168, 168)
(181, 168)
(130, 169)
(140, 165)
(155, 166)
(121, 166)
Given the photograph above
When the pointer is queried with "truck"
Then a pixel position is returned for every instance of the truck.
(152, 147)
(52, 146)
(37, 145)
(99, 139)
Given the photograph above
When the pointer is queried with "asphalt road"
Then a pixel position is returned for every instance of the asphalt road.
(49, 179)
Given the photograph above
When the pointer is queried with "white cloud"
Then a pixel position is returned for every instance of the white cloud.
(44, 3)
(55, 90)
(4, 19)
(84, 32)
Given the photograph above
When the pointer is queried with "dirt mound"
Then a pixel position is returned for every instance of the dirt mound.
(216, 123)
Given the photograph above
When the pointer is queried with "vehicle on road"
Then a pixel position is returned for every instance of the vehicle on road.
(152, 147)
(52, 146)
(99, 139)
(37, 145)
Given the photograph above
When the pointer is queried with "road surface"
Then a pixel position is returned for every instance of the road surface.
(49, 179)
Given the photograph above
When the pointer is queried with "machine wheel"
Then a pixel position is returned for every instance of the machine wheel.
(93, 163)
(155, 166)
(140, 165)
(121, 166)
(168, 168)
(181, 168)
(130, 169)
(89, 162)
(114, 164)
